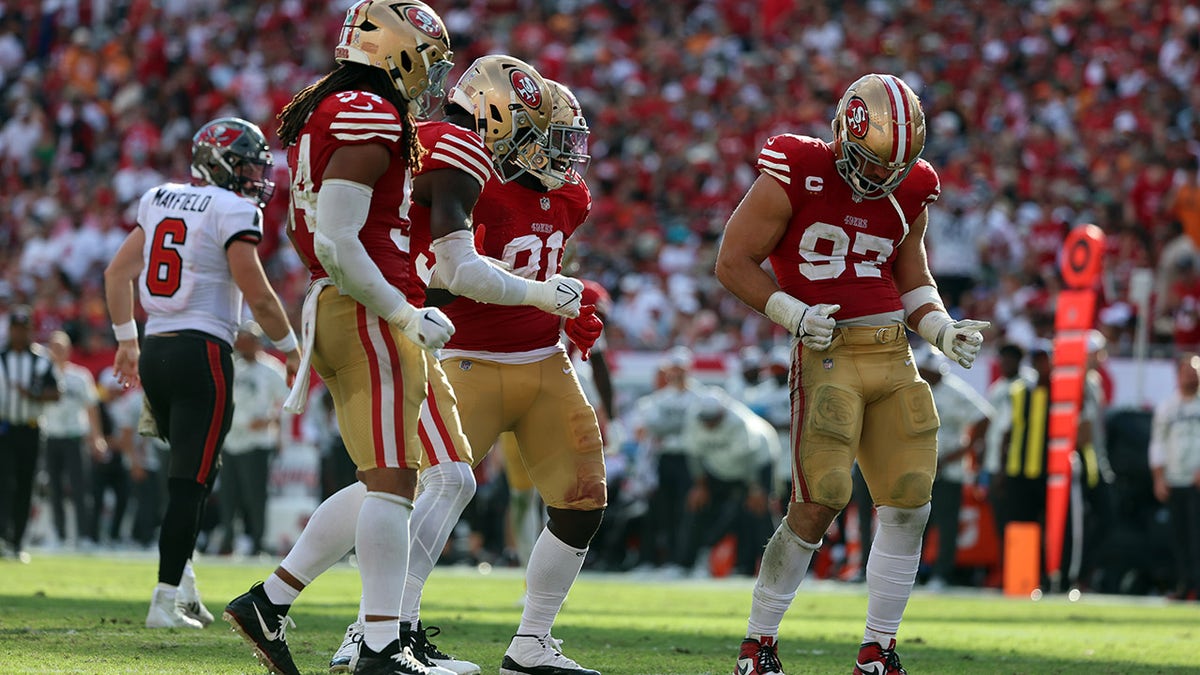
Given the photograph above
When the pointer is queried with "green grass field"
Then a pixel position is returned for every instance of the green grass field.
(73, 614)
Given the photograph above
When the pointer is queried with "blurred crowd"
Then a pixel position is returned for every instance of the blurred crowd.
(1042, 115)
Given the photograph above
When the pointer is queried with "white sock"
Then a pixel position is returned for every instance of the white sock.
(892, 569)
(553, 567)
(324, 541)
(381, 542)
(188, 581)
(445, 490)
(784, 564)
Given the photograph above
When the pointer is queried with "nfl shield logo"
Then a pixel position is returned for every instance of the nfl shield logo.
(465, 364)
(828, 363)
(545, 203)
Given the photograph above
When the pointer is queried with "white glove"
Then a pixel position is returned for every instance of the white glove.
(812, 324)
(558, 295)
(428, 327)
(816, 327)
(960, 340)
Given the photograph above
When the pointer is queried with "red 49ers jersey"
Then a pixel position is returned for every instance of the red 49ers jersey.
(839, 249)
(354, 118)
(527, 230)
(447, 146)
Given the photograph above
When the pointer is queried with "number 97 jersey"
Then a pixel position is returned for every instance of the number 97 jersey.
(839, 248)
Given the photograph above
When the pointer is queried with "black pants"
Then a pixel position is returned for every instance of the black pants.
(943, 514)
(724, 514)
(243, 493)
(65, 466)
(661, 533)
(148, 512)
(1184, 507)
(109, 474)
(18, 464)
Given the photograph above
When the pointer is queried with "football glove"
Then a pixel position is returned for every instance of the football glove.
(557, 295)
(428, 327)
(584, 330)
(816, 327)
(960, 340)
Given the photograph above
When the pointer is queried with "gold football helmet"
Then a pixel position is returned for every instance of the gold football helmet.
(512, 106)
(878, 134)
(407, 40)
(567, 141)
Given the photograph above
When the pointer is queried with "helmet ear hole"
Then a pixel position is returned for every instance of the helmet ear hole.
(368, 26)
(406, 62)
(495, 113)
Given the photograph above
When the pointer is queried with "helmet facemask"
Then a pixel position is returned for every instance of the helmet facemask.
(567, 140)
(858, 165)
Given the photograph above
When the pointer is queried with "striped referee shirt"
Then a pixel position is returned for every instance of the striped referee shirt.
(29, 369)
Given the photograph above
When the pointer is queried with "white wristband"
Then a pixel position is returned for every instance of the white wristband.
(288, 343)
(125, 331)
(786, 311)
(933, 327)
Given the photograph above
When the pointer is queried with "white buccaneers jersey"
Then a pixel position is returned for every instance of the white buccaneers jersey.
(185, 283)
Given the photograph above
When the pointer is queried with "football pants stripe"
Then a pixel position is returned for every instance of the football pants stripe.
(796, 380)
(373, 371)
(391, 380)
(218, 413)
(448, 451)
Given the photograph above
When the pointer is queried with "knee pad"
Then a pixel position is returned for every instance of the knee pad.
(449, 480)
(909, 520)
(574, 528)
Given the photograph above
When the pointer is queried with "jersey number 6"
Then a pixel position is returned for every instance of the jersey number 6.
(166, 265)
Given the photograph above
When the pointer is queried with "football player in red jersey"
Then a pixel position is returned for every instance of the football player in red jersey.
(843, 225)
(352, 144)
(510, 372)
(508, 102)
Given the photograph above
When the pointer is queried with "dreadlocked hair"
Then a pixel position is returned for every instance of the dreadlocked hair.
(346, 76)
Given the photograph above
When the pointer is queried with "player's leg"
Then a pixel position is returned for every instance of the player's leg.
(190, 378)
(898, 459)
(525, 518)
(826, 424)
(560, 444)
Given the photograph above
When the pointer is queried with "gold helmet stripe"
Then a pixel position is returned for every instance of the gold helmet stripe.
(901, 129)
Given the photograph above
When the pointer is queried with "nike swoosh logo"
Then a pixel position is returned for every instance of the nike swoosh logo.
(908, 362)
(572, 295)
(361, 107)
(566, 371)
(743, 669)
(432, 320)
(873, 667)
(272, 636)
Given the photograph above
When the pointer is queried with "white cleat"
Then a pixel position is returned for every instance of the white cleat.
(346, 657)
(166, 612)
(534, 655)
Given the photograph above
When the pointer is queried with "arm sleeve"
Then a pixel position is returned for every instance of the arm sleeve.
(342, 208)
(469, 274)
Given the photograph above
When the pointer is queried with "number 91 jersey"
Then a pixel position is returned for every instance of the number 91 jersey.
(838, 248)
(526, 230)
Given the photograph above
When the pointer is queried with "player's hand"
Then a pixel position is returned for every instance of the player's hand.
(558, 295)
(816, 327)
(962, 340)
(584, 330)
(293, 366)
(429, 328)
(125, 363)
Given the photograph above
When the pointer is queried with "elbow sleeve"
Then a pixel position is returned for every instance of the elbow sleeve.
(342, 208)
(466, 273)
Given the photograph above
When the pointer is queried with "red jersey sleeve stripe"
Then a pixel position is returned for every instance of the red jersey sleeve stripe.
(367, 136)
(461, 162)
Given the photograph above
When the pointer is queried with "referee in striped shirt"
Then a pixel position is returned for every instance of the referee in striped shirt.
(27, 381)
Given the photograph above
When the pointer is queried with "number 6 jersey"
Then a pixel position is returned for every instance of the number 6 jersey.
(838, 248)
(185, 283)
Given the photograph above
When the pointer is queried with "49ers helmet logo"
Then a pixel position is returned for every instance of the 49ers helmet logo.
(857, 119)
(424, 22)
(526, 87)
(219, 136)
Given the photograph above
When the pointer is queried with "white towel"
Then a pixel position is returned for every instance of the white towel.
(298, 397)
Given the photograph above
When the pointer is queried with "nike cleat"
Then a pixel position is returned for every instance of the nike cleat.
(759, 657)
(875, 659)
(393, 660)
(533, 655)
(429, 655)
(347, 655)
(262, 623)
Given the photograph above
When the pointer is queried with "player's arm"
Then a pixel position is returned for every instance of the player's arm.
(343, 205)
(923, 308)
(753, 231)
(451, 196)
(248, 274)
(119, 276)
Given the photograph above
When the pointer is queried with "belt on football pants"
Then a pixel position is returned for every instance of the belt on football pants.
(298, 397)
(869, 335)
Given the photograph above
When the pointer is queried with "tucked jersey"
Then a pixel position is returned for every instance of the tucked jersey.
(354, 118)
(838, 248)
(527, 230)
(447, 146)
(185, 283)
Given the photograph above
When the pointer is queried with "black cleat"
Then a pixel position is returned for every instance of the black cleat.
(393, 660)
(262, 623)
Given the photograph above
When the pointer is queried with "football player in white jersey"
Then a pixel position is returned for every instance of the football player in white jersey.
(194, 259)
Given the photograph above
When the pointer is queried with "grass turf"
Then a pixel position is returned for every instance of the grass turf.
(77, 614)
